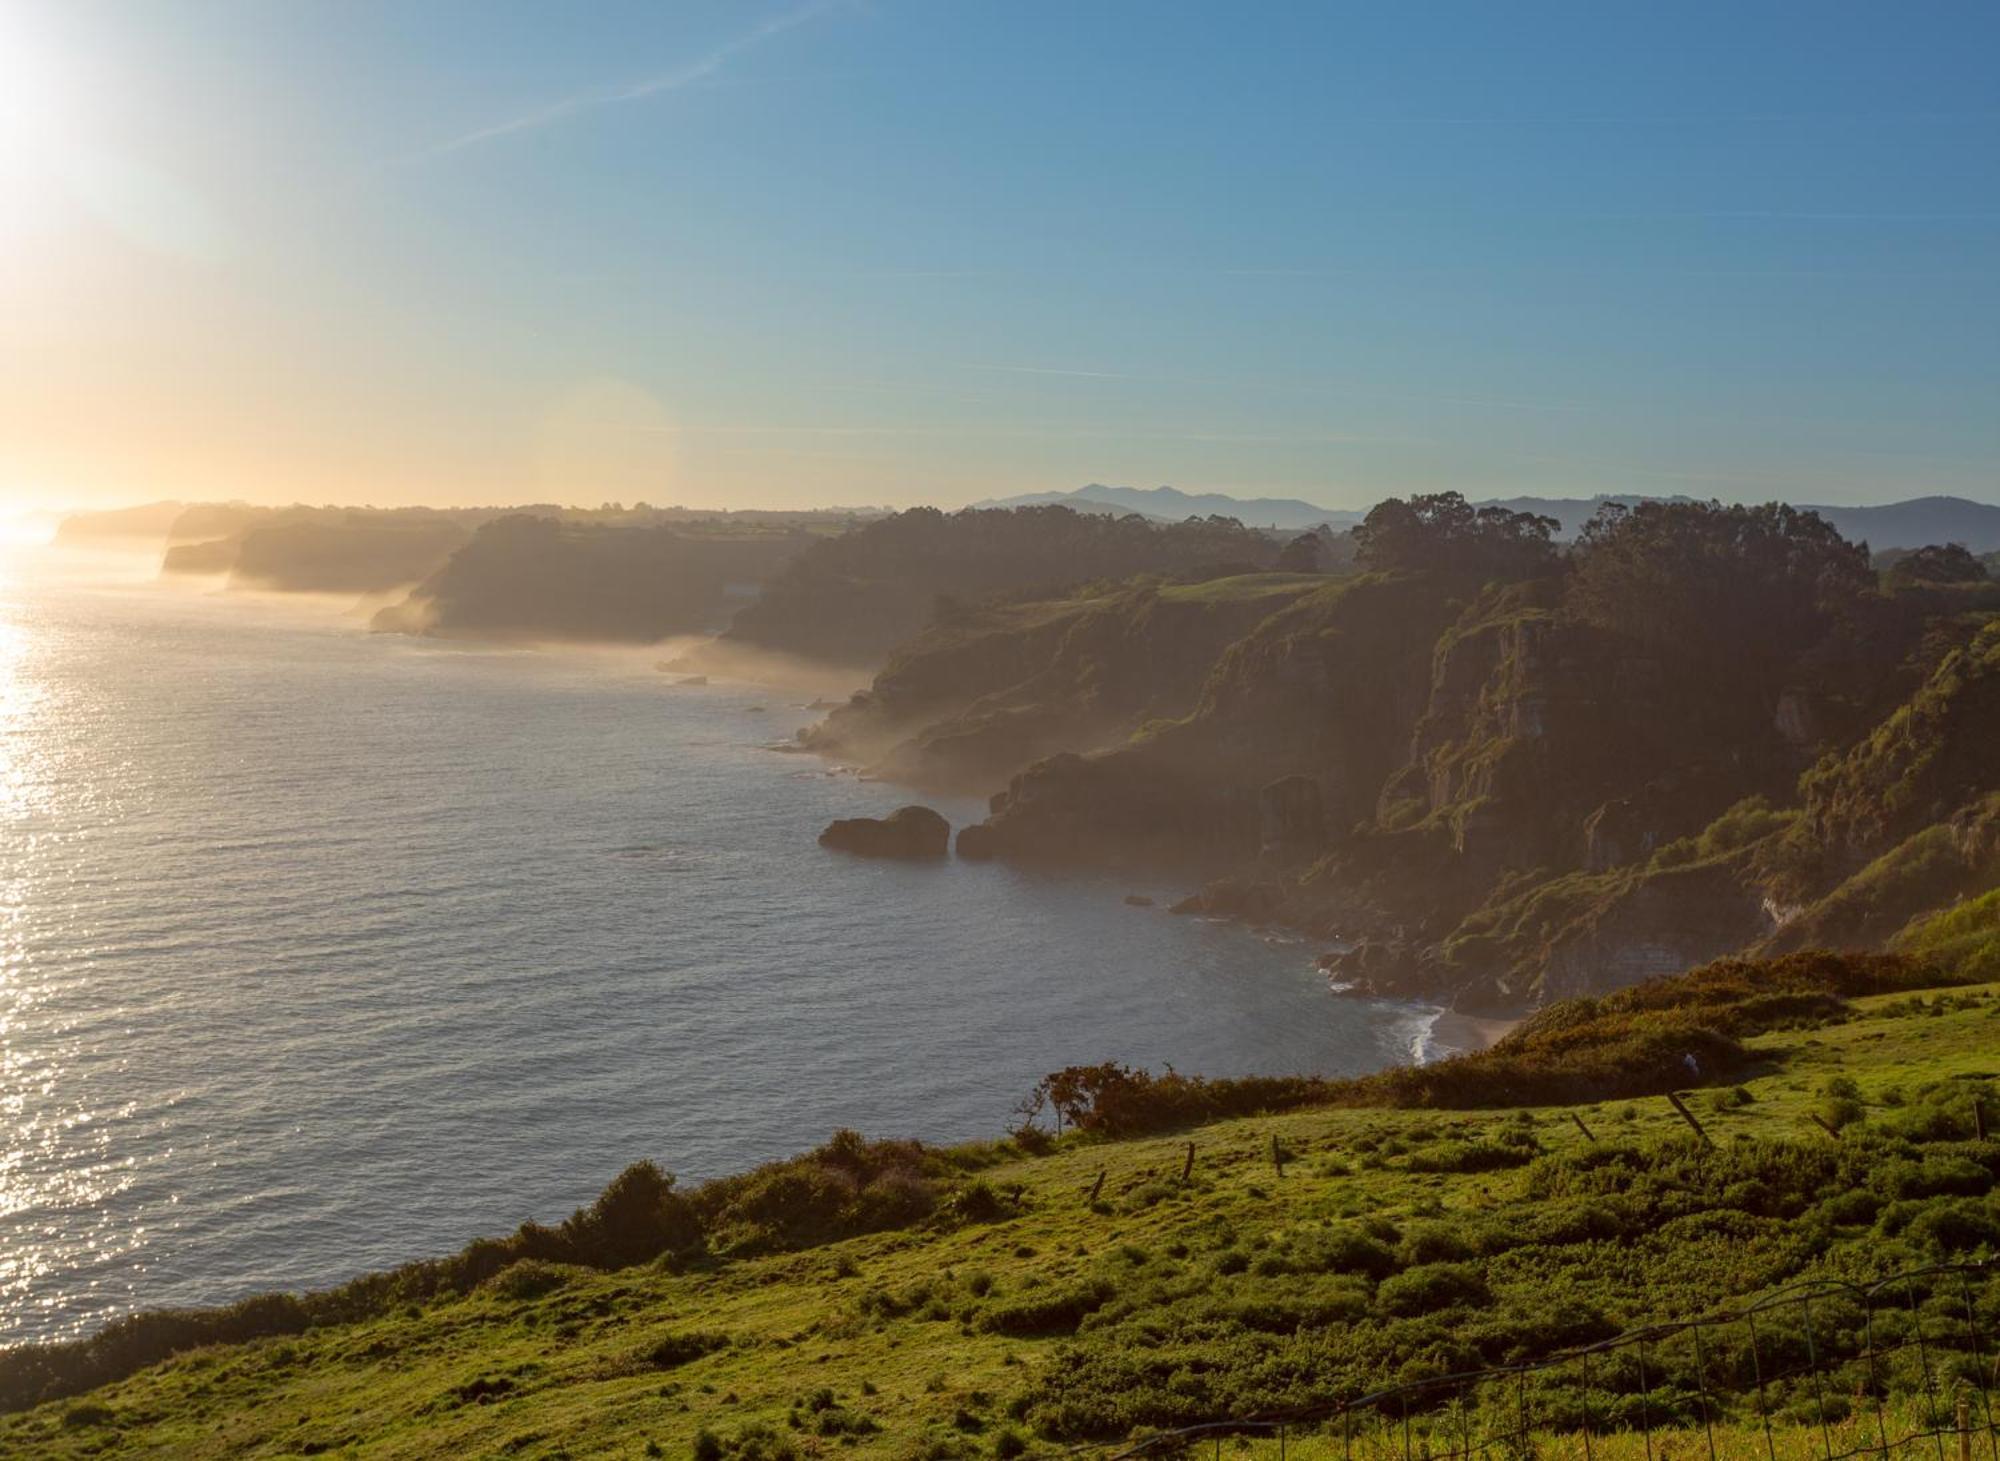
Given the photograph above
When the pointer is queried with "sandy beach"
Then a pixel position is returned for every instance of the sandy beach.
(1457, 1034)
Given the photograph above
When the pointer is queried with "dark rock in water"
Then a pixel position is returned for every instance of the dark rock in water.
(909, 832)
(1138, 900)
(976, 842)
(693, 680)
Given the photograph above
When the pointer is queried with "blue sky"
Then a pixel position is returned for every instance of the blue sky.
(932, 250)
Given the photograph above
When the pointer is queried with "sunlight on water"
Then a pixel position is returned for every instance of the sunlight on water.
(323, 950)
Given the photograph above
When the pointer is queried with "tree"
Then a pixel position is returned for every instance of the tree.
(1733, 588)
(1445, 532)
(1301, 555)
(1946, 563)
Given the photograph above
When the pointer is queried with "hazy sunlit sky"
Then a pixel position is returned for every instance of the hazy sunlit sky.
(886, 251)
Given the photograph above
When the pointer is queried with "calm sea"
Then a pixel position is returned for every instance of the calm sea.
(320, 950)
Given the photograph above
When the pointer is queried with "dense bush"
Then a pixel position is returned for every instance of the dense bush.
(1665, 1034)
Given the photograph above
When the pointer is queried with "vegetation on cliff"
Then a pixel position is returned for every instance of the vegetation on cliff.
(850, 599)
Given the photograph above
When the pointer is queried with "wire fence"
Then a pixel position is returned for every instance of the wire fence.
(1825, 1370)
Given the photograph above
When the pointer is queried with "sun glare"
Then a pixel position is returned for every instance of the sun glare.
(29, 95)
(31, 121)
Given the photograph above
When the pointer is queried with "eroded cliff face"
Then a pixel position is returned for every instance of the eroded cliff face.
(1903, 822)
(1324, 690)
(982, 693)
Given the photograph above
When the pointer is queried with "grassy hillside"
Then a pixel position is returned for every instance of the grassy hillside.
(1018, 1315)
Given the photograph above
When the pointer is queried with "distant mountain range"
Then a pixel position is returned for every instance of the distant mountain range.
(1174, 505)
(1909, 524)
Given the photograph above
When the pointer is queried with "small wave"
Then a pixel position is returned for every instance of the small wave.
(1421, 1033)
(650, 851)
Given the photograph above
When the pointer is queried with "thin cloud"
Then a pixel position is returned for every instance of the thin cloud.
(700, 69)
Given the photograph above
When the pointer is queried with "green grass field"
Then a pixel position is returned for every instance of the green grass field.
(1396, 1243)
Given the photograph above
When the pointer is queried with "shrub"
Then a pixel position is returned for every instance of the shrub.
(1469, 1156)
(1434, 1243)
(1431, 1288)
(675, 1350)
(1047, 1311)
(530, 1279)
(1956, 1227)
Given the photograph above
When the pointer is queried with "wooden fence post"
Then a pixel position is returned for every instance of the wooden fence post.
(1688, 1116)
(1187, 1167)
(1581, 1127)
(1097, 1187)
(1277, 1154)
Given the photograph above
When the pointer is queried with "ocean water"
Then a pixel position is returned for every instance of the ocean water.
(320, 951)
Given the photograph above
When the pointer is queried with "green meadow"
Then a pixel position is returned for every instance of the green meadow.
(1039, 1295)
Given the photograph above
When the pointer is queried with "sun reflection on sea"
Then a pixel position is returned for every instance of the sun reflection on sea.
(57, 1161)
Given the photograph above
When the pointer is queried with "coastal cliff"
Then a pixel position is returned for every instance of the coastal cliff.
(982, 692)
(529, 577)
(1498, 776)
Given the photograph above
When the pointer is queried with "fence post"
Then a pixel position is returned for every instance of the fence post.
(1587, 1136)
(1187, 1167)
(1820, 1122)
(1097, 1187)
(1964, 1426)
(1277, 1154)
(1688, 1116)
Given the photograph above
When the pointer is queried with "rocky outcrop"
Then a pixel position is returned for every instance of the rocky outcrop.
(1659, 924)
(912, 833)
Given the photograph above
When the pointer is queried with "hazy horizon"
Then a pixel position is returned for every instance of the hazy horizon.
(787, 255)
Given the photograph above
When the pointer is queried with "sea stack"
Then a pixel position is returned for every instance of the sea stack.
(909, 832)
